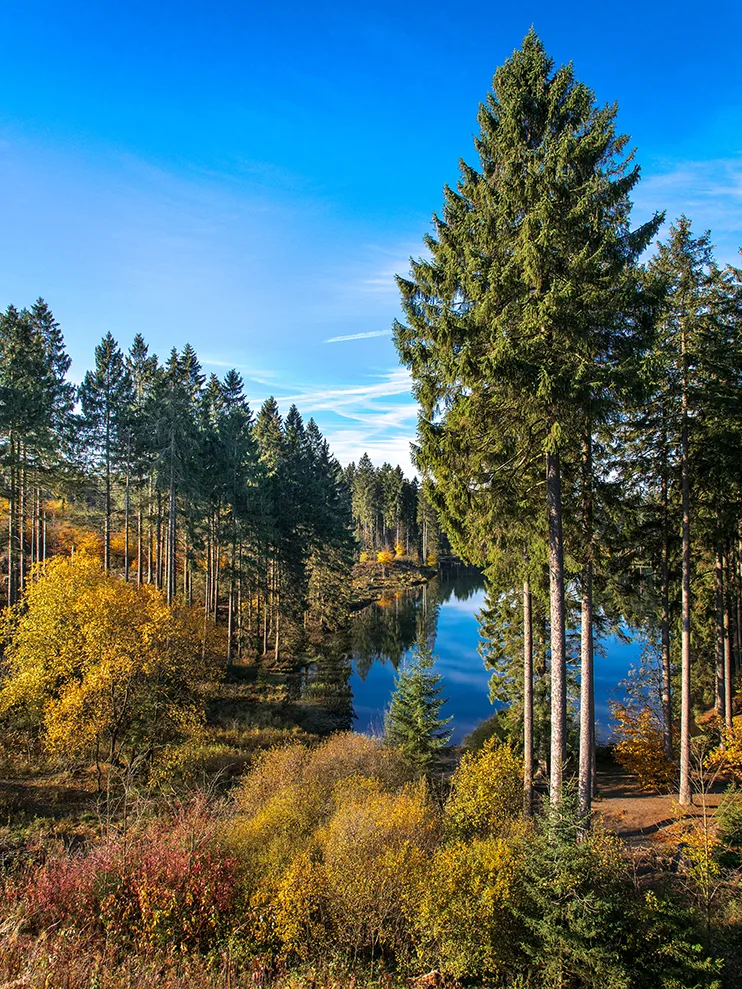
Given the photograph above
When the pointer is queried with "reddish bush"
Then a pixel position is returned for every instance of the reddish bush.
(170, 888)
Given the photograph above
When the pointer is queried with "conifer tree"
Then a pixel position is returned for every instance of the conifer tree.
(413, 722)
(519, 302)
(106, 396)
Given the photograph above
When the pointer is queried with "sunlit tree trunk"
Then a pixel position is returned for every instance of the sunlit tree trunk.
(527, 701)
(558, 637)
(685, 795)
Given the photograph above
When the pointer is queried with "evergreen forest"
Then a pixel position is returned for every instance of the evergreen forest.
(189, 583)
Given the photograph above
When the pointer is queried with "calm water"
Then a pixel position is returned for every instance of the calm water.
(444, 611)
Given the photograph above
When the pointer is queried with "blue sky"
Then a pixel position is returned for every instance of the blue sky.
(248, 178)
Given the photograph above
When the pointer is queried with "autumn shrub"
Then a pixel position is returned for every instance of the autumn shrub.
(728, 755)
(283, 802)
(384, 556)
(399, 551)
(105, 669)
(166, 887)
(486, 792)
(375, 851)
(467, 924)
(639, 746)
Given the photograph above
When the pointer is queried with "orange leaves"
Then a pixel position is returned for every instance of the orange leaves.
(640, 747)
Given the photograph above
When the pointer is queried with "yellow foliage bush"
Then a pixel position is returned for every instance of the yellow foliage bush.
(639, 748)
(375, 850)
(103, 666)
(301, 919)
(486, 792)
(384, 556)
(466, 924)
(398, 550)
(729, 754)
(290, 794)
(363, 558)
(326, 845)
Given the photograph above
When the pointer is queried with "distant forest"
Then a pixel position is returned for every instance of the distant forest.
(171, 480)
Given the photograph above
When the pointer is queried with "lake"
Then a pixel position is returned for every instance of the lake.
(444, 612)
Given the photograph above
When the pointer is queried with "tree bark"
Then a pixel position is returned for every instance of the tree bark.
(728, 699)
(665, 614)
(720, 617)
(527, 701)
(685, 795)
(558, 636)
(587, 731)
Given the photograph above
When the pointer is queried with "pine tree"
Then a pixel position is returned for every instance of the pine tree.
(413, 722)
(519, 304)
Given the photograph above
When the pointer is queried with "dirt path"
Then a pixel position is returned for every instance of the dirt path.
(639, 816)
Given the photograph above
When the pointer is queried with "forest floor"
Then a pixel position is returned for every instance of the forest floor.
(639, 816)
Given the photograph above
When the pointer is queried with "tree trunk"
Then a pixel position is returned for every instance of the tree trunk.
(665, 615)
(558, 637)
(127, 511)
(171, 547)
(587, 731)
(685, 795)
(728, 699)
(22, 522)
(11, 525)
(107, 519)
(527, 702)
(140, 558)
(720, 637)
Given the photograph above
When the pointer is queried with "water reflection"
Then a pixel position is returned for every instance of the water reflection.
(349, 683)
(441, 613)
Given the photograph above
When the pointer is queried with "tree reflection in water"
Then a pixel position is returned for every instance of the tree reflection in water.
(380, 634)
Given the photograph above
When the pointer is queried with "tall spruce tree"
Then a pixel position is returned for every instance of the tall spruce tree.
(106, 396)
(518, 302)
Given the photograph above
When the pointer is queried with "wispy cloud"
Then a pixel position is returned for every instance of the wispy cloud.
(708, 192)
(359, 336)
(376, 415)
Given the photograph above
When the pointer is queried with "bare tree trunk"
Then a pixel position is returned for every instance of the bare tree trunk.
(685, 795)
(720, 637)
(665, 616)
(558, 636)
(527, 702)
(22, 523)
(127, 511)
(728, 700)
(11, 525)
(171, 541)
(150, 527)
(587, 731)
(140, 558)
(107, 519)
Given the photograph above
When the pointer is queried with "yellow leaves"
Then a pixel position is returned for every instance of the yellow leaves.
(468, 900)
(98, 660)
(384, 556)
(486, 792)
(728, 755)
(640, 746)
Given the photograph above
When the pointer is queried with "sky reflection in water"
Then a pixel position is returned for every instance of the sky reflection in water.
(383, 637)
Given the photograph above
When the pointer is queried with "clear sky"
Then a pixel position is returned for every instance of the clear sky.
(249, 177)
